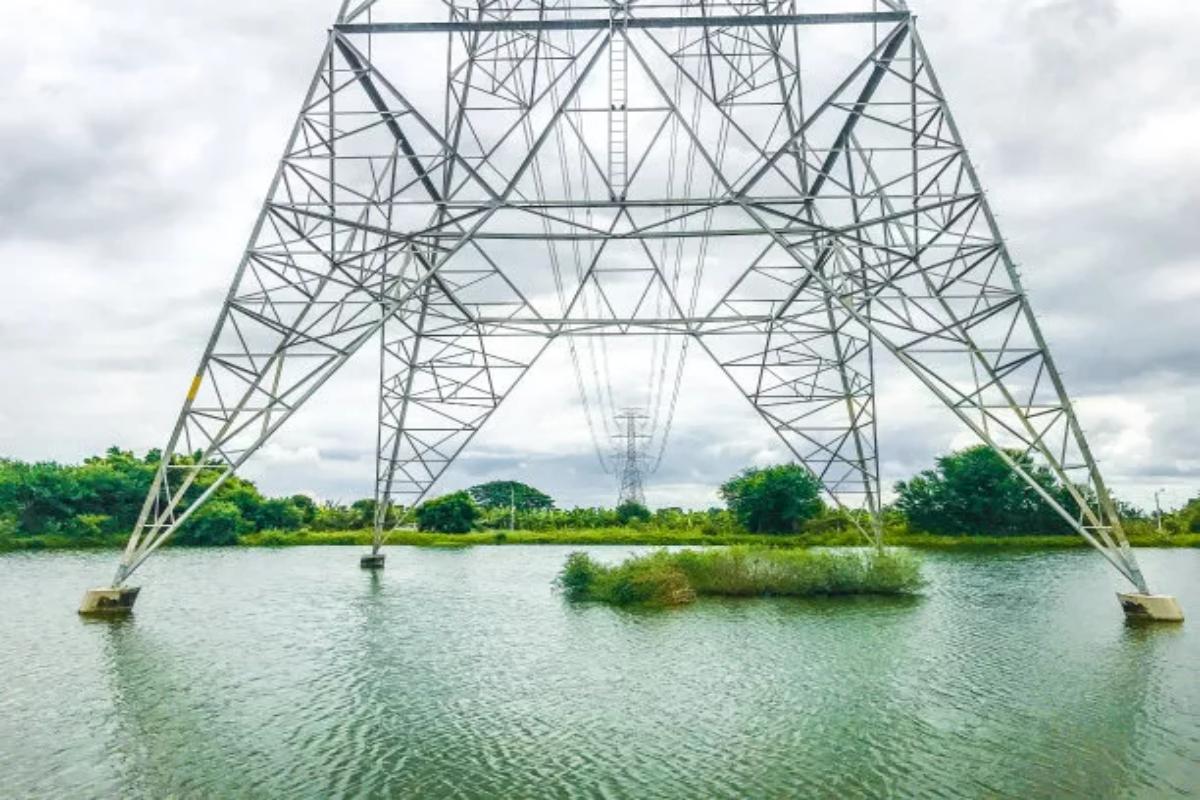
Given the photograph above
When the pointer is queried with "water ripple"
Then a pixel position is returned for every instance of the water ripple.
(459, 674)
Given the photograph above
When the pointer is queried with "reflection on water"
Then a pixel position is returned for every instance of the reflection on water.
(458, 673)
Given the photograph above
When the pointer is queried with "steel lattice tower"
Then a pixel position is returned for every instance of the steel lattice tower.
(795, 161)
(631, 459)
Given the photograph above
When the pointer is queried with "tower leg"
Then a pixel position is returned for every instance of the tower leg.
(372, 560)
(1150, 607)
(810, 376)
(108, 601)
(442, 375)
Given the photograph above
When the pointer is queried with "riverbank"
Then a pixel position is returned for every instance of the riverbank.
(632, 536)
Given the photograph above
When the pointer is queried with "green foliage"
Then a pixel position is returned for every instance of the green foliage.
(306, 506)
(666, 578)
(214, 524)
(550, 519)
(1185, 520)
(334, 517)
(503, 494)
(91, 527)
(306, 537)
(973, 492)
(364, 511)
(713, 521)
(577, 576)
(630, 511)
(773, 499)
(98, 501)
(650, 580)
(451, 513)
(756, 572)
(280, 514)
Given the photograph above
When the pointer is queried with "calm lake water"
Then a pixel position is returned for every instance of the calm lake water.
(459, 673)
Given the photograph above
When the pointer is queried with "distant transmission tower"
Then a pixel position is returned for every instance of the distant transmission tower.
(631, 458)
(783, 188)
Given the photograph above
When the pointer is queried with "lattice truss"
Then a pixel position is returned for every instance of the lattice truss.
(779, 182)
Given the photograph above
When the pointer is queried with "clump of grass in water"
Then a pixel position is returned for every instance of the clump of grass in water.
(663, 578)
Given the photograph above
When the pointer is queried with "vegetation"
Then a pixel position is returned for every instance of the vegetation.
(451, 513)
(773, 499)
(97, 502)
(974, 491)
(631, 511)
(712, 521)
(510, 494)
(665, 578)
(968, 501)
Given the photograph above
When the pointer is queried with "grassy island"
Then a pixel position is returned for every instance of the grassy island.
(665, 578)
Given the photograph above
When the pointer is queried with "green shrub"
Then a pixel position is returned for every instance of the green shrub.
(451, 513)
(663, 578)
(278, 515)
(90, 527)
(215, 523)
(274, 539)
(8, 525)
(577, 575)
(630, 511)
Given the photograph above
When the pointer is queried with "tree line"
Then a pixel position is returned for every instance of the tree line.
(969, 492)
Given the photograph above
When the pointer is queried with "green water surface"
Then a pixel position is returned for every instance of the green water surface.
(459, 673)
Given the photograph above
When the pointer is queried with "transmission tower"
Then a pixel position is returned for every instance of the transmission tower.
(631, 458)
(784, 188)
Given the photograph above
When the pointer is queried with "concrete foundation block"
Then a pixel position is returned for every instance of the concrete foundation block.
(1160, 607)
(372, 561)
(109, 601)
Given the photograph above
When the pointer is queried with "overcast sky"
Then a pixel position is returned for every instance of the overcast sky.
(137, 140)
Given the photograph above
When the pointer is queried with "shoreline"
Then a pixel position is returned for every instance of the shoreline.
(620, 536)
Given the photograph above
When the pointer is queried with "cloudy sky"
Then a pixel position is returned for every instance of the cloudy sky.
(137, 139)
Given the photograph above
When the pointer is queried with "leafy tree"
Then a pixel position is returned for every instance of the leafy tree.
(278, 514)
(500, 494)
(451, 513)
(773, 499)
(974, 492)
(364, 511)
(244, 495)
(306, 506)
(215, 523)
(672, 517)
(629, 511)
(1184, 519)
(102, 497)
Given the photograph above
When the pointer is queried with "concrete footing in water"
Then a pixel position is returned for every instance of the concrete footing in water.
(1160, 607)
(372, 561)
(109, 601)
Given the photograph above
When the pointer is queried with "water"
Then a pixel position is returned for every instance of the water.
(458, 673)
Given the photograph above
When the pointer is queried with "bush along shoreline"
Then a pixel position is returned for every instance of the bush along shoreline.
(666, 578)
(647, 535)
(969, 500)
